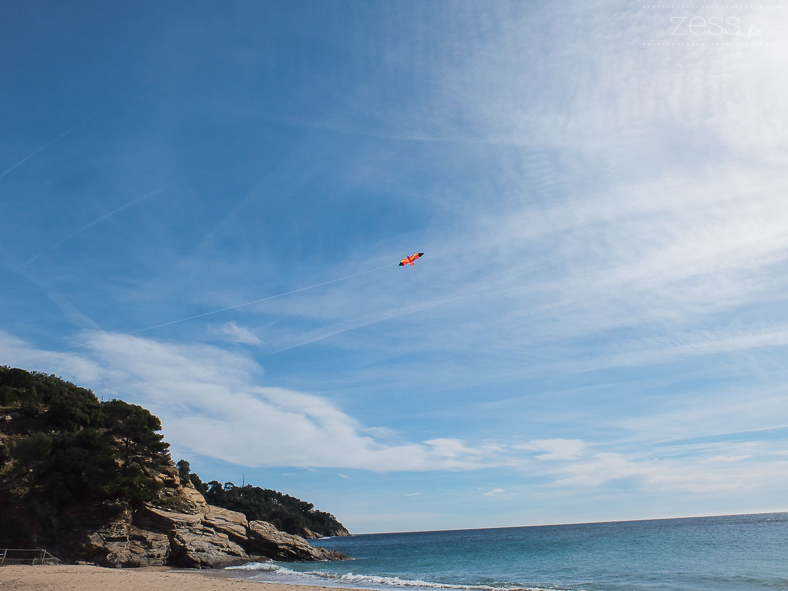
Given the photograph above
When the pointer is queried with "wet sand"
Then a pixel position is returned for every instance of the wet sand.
(94, 578)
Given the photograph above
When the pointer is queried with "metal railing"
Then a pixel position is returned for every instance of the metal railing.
(32, 556)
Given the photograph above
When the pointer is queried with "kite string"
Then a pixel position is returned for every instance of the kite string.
(241, 305)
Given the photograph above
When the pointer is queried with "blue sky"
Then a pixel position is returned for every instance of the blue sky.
(597, 331)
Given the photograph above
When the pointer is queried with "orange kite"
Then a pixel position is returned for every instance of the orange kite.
(409, 260)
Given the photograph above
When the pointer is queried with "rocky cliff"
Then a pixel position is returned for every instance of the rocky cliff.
(284, 512)
(94, 481)
(179, 528)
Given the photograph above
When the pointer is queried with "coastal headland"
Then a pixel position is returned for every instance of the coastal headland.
(94, 482)
(94, 578)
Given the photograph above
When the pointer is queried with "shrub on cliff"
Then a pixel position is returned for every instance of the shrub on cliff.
(64, 447)
(64, 451)
(286, 513)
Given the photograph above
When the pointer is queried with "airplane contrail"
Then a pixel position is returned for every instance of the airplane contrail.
(49, 143)
(394, 313)
(70, 129)
(97, 220)
(279, 295)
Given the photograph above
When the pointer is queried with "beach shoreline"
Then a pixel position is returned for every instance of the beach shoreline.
(96, 578)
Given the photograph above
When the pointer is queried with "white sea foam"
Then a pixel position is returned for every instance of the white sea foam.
(397, 582)
(264, 566)
(368, 581)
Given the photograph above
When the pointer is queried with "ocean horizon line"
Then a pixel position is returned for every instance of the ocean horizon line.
(567, 524)
(695, 553)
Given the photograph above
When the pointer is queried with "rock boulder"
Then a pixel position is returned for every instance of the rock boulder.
(266, 540)
(181, 529)
(120, 544)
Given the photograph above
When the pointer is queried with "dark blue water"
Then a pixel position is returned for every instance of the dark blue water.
(705, 553)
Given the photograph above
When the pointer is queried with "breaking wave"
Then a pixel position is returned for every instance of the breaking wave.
(286, 575)
(263, 566)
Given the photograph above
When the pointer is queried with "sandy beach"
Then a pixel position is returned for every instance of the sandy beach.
(94, 578)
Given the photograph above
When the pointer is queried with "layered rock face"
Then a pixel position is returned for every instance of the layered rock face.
(338, 532)
(181, 529)
(266, 540)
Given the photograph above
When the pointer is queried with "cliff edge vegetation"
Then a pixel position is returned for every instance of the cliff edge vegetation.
(96, 480)
(287, 513)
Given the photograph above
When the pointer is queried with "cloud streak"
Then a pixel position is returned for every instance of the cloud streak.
(237, 334)
(210, 405)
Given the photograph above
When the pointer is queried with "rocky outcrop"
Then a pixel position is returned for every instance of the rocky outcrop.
(181, 529)
(121, 544)
(92, 481)
(199, 535)
(338, 532)
(266, 540)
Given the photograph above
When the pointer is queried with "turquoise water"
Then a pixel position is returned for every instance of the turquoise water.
(705, 553)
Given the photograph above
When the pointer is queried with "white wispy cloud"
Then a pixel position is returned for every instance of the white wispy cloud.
(555, 449)
(727, 459)
(684, 345)
(494, 492)
(690, 221)
(210, 404)
(237, 334)
(670, 475)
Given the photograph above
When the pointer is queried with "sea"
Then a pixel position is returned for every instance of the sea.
(735, 552)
